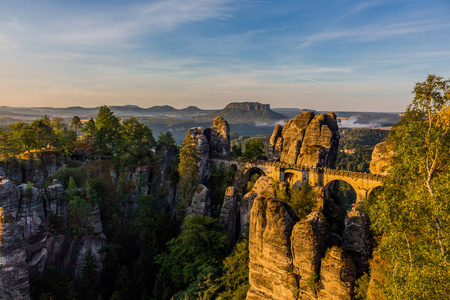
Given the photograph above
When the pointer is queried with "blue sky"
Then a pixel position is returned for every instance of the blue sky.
(324, 55)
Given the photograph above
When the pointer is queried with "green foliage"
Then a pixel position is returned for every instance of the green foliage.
(412, 212)
(89, 276)
(166, 140)
(201, 244)
(79, 213)
(220, 180)
(235, 274)
(107, 125)
(254, 150)
(236, 151)
(362, 284)
(252, 181)
(313, 283)
(64, 175)
(343, 195)
(188, 170)
(136, 141)
(302, 201)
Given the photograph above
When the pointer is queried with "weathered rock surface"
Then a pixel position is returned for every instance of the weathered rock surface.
(14, 275)
(307, 140)
(381, 158)
(228, 214)
(219, 137)
(308, 242)
(270, 274)
(202, 148)
(212, 141)
(32, 219)
(263, 186)
(201, 202)
(357, 239)
(337, 275)
(35, 169)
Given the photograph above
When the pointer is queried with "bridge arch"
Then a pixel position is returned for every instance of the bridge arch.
(251, 172)
(294, 178)
(342, 192)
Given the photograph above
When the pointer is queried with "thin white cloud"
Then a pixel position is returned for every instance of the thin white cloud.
(375, 32)
(113, 26)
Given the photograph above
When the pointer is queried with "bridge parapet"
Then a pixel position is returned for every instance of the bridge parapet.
(356, 175)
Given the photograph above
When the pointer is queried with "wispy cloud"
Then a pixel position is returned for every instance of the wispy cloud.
(374, 32)
(116, 25)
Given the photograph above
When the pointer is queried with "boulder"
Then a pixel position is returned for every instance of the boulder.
(382, 156)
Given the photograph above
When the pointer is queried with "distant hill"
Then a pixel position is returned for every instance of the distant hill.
(244, 112)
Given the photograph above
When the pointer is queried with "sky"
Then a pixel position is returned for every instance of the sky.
(341, 55)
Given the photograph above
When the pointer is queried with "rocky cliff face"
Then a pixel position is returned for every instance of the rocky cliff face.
(299, 260)
(307, 140)
(35, 169)
(381, 158)
(30, 242)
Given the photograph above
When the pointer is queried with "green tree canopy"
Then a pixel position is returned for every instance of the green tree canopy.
(413, 212)
(201, 244)
(106, 130)
(188, 169)
(254, 149)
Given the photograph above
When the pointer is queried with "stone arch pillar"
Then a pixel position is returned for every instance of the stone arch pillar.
(361, 195)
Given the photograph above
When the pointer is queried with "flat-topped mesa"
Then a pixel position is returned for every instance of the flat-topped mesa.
(307, 140)
(248, 106)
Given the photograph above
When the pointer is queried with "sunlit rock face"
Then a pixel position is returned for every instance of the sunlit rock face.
(382, 158)
(307, 140)
(271, 275)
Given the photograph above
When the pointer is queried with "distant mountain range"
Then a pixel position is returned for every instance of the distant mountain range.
(245, 118)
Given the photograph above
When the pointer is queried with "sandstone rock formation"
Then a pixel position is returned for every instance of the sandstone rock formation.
(212, 141)
(308, 243)
(307, 140)
(270, 275)
(201, 202)
(357, 240)
(219, 137)
(228, 214)
(13, 267)
(28, 244)
(263, 186)
(381, 158)
(337, 275)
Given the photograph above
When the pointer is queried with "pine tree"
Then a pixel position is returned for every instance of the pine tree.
(188, 169)
(89, 276)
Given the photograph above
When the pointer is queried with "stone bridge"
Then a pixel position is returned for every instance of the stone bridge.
(362, 183)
